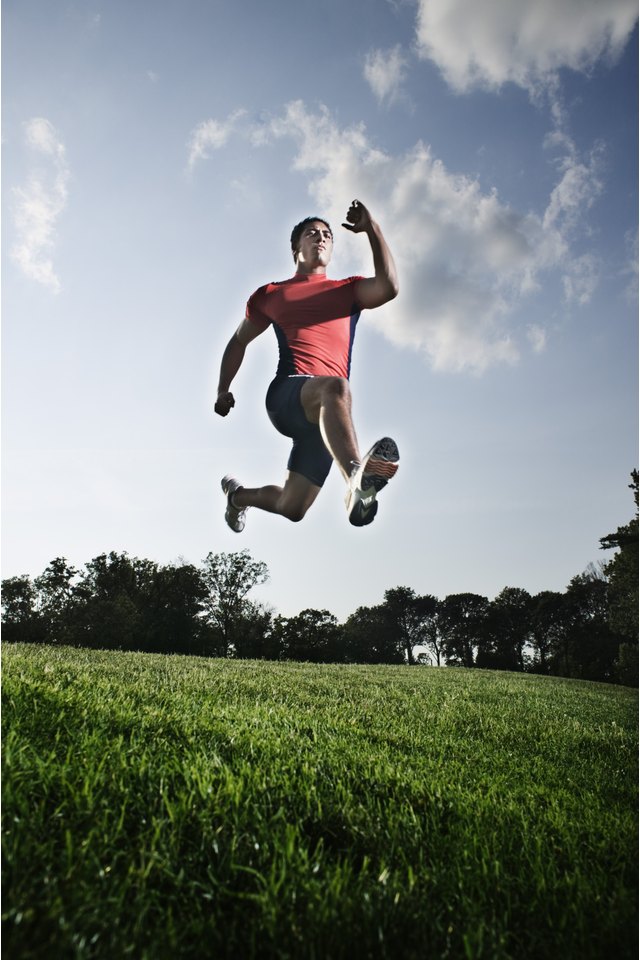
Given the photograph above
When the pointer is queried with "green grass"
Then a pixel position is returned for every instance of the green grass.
(172, 807)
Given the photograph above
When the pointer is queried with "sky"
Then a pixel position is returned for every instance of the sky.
(155, 158)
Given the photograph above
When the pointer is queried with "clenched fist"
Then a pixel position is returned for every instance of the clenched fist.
(358, 218)
(224, 403)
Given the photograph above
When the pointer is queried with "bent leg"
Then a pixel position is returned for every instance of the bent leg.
(291, 501)
(327, 402)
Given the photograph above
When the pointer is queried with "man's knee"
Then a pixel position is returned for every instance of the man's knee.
(297, 496)
(294, 513)
(292, 509)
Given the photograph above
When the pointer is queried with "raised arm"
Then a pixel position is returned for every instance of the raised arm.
(231, 362)
(373, 291)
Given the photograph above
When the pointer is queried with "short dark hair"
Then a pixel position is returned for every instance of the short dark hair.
(298, 230)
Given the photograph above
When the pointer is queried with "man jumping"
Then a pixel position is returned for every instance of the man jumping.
(309, 400)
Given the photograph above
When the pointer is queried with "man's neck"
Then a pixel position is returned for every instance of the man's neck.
(303, 269)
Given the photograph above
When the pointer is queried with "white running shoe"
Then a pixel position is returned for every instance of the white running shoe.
(367, 480)
(235, 516)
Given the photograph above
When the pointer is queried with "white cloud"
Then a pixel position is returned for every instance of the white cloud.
(210, 135)
(578, 187)
(581, 279)
(384, 71)
(487, 43)
(38, 205)
(537, 337)
(465, 257)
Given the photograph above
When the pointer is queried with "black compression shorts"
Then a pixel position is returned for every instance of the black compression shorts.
(309, 456)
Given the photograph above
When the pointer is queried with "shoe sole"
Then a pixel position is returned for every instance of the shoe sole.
(380, 465)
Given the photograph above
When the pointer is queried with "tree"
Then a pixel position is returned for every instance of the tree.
(313, 636)
(21, 622)
(507, 631)
(461, 621)
(228, 578)
(255, 635)
(589, 646)
(408, 617)
(113, 600)
(114, 575)
(174, 608)
(622, 573)
(55, 599)
(368, 639)
(625, 666)
(433, 639)
(549, 626)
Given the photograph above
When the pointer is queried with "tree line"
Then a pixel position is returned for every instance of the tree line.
(590, 631)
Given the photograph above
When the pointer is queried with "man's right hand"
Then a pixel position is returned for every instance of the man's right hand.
(224, 403)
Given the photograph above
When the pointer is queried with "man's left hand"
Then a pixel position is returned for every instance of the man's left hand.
(358, 218)
(224, 403)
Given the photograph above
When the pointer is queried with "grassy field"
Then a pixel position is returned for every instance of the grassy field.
(173, 807)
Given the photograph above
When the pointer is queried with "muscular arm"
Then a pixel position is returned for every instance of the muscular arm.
(373, 291)
(231, 362)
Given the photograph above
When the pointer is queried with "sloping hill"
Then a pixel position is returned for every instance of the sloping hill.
(188, 808)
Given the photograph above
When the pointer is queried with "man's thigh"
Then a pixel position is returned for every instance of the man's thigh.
(317, 390)
(309, 455)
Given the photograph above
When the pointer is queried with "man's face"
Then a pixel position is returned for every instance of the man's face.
(315, 245)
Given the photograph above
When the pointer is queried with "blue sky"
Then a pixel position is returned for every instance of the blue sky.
(156, 156)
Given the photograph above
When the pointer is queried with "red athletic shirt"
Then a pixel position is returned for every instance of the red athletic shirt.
(314, 319)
